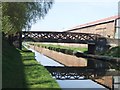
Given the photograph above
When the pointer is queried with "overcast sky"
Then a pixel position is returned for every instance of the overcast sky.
(66, 14)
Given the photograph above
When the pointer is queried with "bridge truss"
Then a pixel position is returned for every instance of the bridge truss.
(60, 37)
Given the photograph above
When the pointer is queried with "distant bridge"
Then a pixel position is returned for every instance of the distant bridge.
(60, 37)
(94, 41)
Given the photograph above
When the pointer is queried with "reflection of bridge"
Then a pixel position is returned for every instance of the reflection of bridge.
(77, 72)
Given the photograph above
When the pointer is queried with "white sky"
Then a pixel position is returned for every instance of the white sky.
(66, 14)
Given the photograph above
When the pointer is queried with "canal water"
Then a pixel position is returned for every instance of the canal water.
(68, 84)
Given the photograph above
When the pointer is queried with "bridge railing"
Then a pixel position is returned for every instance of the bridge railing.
(60, 37)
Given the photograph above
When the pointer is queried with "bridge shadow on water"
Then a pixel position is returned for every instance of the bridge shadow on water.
(101, 68)
(95, 69)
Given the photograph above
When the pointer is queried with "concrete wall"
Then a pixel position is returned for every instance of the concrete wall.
(117, 33)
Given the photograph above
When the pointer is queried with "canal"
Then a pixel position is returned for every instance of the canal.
(67, 84)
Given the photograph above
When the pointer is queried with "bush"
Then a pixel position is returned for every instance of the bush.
(115, 52)
(70, 52)
(63, 49)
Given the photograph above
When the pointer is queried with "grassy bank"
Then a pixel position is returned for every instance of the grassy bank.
(113, 52)
(59, 48)
(13, 75)
(21, 70)
(36, 75)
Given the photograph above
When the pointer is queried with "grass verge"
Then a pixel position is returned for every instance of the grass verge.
(113, 52)
(36, 75)
(59, 48)
(21, 70)
(13, 75)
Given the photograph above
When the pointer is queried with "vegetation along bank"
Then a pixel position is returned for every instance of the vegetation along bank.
(21, 70)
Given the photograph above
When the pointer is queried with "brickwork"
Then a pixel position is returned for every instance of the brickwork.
(106, 29)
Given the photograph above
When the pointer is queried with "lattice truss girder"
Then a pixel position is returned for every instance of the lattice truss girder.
(61, 36)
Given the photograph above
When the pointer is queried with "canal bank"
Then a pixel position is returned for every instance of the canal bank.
(74, 84)
(67, 60)
(20, 70)
(104, 80)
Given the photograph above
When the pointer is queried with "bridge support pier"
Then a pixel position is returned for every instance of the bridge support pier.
(97, 48)
(91, 48)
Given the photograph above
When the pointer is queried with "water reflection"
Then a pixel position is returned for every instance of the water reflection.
(68, 84)
(101, 64)
(80, 85)
(43, 60)
(93, 63)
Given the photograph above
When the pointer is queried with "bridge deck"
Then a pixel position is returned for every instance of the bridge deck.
(60, 37)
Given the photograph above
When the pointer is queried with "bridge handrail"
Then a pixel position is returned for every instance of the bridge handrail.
(61, 37)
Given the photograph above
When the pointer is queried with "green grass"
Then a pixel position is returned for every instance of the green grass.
(21, 70)
(114, 52)
(59, 48)
(36, 75)
(65, 47)
(12, 67)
